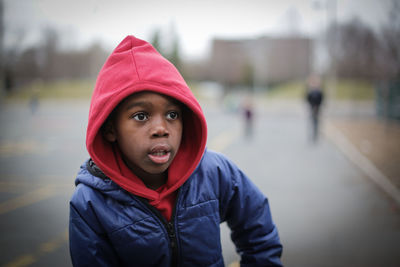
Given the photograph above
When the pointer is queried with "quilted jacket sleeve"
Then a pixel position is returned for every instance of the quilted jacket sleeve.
(88, 246)
(248, 215)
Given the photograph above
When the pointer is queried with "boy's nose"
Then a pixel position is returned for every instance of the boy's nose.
(159, 128)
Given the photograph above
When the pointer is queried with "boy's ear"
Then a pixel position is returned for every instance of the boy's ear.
(109, 131)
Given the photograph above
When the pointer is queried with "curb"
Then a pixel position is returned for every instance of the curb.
(352, 153)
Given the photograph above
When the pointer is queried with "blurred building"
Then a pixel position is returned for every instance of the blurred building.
(260, 61)
(231, 60)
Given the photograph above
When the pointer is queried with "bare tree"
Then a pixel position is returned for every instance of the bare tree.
(355, 50)
(174, 56)
(155, 40)
(49, 50)
(46, 61)
(389, 56)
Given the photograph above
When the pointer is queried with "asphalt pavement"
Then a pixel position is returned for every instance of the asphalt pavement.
(327, 211)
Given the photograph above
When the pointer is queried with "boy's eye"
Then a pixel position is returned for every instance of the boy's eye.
(172, 115)
(141, 116)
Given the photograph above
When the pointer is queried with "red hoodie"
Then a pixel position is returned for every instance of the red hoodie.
(132, 67)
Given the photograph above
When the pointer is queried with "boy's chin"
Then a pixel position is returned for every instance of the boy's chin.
(158, 170)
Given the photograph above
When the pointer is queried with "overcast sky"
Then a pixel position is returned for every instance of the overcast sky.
(195, 21)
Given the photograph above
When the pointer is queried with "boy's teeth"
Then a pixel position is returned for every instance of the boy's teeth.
(160, 157)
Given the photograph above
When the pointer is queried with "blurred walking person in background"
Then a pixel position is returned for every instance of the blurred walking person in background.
(34, 102)
(314, 98)
(248, 114)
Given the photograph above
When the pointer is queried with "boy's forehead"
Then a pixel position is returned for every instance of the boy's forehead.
(148, 96)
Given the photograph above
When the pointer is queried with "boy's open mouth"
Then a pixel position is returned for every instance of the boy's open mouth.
(160, 154)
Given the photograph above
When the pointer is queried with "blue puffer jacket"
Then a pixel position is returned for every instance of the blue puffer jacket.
(111, 227)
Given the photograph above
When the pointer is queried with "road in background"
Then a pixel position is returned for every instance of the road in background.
(327, 212)
(40, 155)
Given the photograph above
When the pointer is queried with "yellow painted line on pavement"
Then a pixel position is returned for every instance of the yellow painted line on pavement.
(44, 248)
(14, 187)
(23, 147)
(25, 260)
(27, 199)
(42, 193)
(223, 140)
(15, 184)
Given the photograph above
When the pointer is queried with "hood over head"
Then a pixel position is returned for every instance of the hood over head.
(135, 66)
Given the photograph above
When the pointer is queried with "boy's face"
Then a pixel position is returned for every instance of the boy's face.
(148, 130)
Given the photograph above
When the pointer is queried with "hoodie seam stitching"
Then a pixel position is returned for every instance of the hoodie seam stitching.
(134, 61)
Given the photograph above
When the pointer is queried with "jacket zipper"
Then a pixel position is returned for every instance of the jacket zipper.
(169, 226)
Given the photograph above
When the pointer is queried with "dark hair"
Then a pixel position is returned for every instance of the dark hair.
(105, 127)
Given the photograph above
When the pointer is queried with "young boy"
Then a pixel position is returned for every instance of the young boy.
(151, 194)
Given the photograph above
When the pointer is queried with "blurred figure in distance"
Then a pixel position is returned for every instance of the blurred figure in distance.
(314, 98)
(248, 114)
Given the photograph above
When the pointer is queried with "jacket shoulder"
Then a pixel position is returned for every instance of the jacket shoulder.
(88, 188)
(215, 176)
(93, 184)
(215, 159)
(217, 165)
(83, 196)
(90, 198)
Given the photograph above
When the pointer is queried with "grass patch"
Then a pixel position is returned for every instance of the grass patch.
(82, 89)
(289, 90)
(74, 89)
(354, 90)
(345, 90)
(69, 89)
